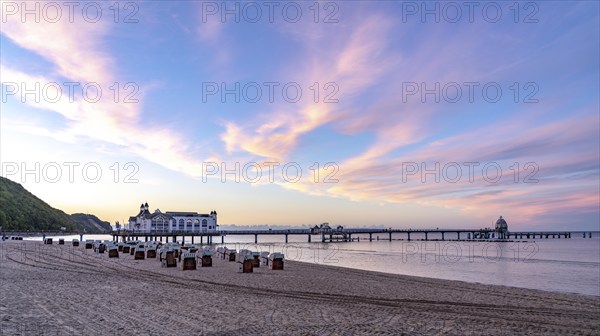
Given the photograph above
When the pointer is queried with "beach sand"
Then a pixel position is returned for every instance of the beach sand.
(64, 290)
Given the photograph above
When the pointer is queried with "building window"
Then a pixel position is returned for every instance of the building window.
(188, 225)
(196, 223)
(204, 223)
(181, 224)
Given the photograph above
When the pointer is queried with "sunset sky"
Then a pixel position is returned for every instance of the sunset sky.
(189, 87)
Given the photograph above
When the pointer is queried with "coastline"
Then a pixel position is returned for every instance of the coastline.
(66, 290)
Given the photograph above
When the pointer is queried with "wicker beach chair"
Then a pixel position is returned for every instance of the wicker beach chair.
(113, 251)
(138, 253)
(206, 258)
(245, 263)
(231, 255)
(276, 261)
(255, 259)
(168, 259)
(264, 258)
(189, 262)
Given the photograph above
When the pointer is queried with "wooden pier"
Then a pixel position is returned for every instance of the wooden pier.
(340, 235)
(332, 235)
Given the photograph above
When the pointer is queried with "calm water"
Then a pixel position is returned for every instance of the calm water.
(560, 265)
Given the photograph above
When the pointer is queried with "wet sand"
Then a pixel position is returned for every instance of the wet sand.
(65, 290)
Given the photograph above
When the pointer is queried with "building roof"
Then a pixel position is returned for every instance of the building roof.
(169, 214)
(182, 213)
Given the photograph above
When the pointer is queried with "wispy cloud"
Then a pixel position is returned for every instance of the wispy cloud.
(78, 54)
(352, 66)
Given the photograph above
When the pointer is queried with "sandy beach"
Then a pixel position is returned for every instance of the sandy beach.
(65, 290)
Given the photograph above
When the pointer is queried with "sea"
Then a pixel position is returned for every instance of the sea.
(557, 265)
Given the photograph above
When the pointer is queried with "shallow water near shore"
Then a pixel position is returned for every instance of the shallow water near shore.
(557, 265)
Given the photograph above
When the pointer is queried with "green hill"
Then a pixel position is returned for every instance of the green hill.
(90, 223)
(20, 210)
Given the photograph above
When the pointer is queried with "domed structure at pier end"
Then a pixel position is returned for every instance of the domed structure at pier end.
(501, 228)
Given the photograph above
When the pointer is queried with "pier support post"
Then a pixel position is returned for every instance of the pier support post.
(370, 237)
(255, 239)
(309, 238)
(408, 233)
(200, 239)
(442, 236)
(390, 236)
(286, 238)
(222, 239)
(426, 236)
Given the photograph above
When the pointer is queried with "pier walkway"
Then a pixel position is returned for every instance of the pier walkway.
(343, 235)
(329, 235)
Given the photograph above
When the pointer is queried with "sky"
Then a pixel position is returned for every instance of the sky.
(361, 113)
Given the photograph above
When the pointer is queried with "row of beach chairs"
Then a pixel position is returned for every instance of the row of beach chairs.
(61, 241)
(188, 255)
(248, 260)
(12, 238)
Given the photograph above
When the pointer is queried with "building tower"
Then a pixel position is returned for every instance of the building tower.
(213, 214)
(501, 228)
